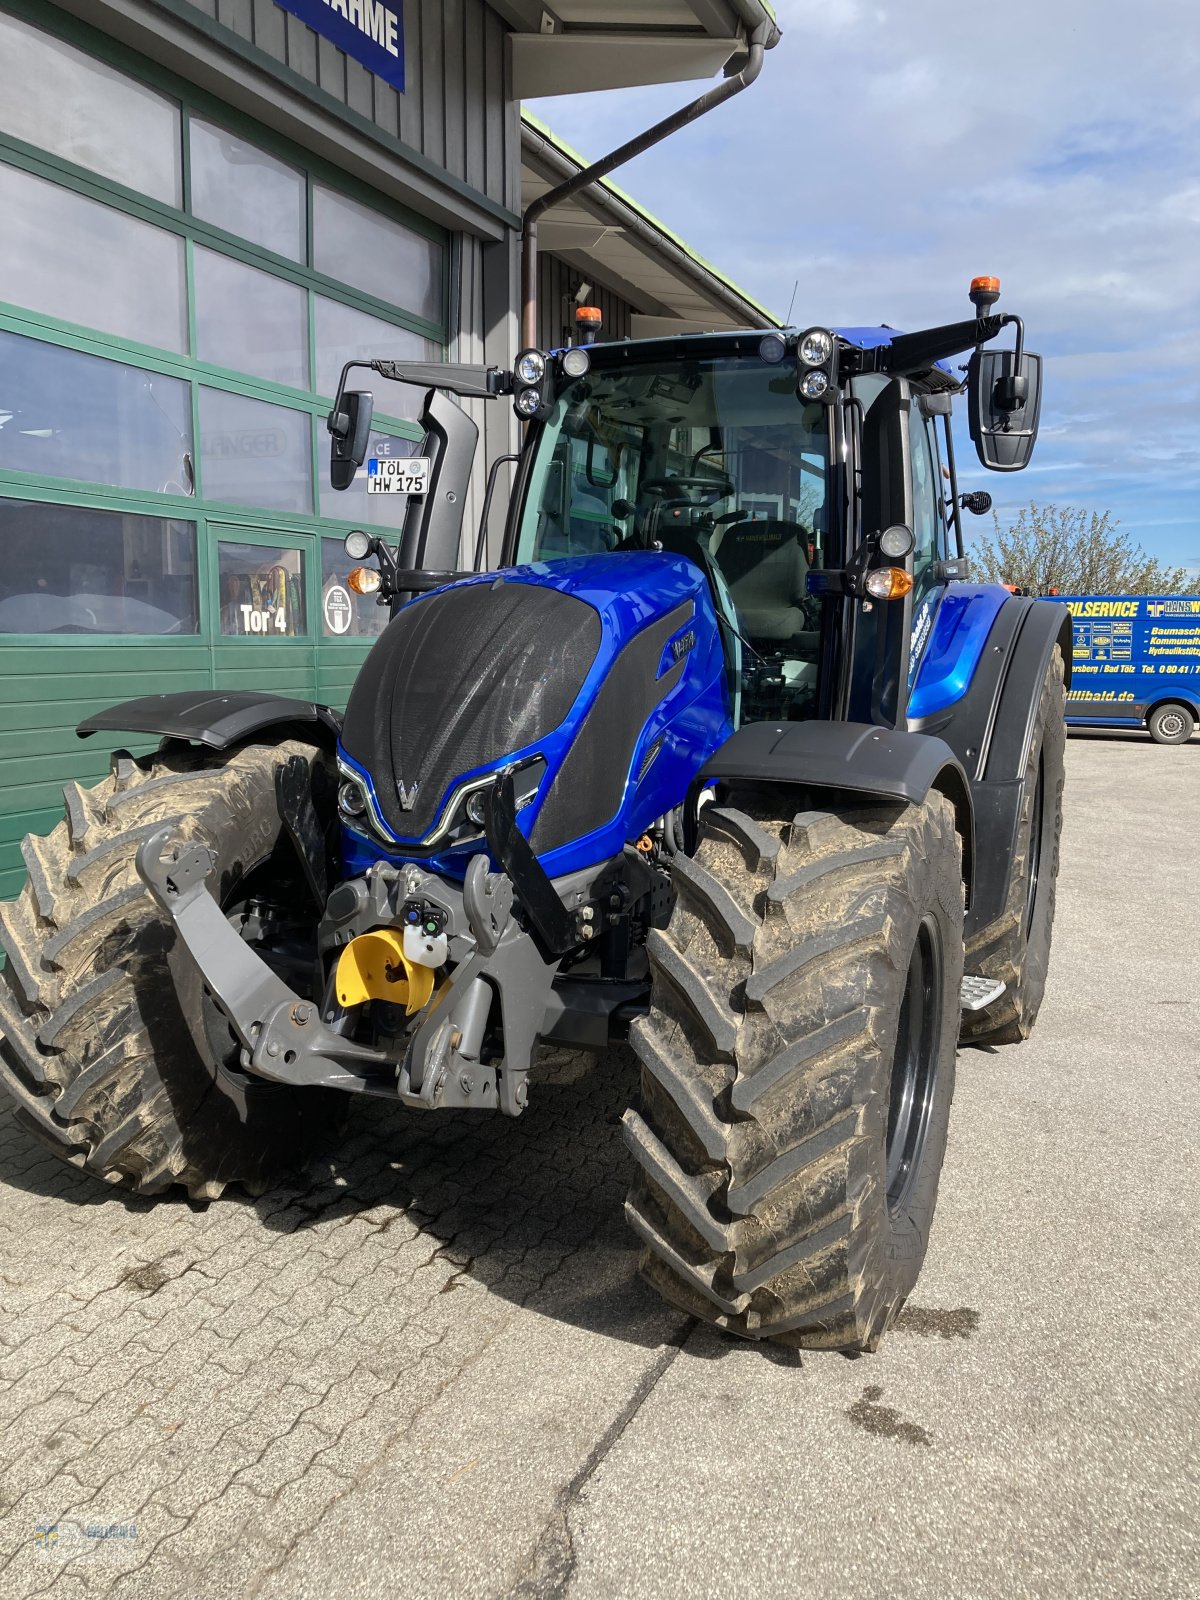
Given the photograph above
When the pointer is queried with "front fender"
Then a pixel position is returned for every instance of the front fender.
(990, 728)
(848, 758)
(218, 720)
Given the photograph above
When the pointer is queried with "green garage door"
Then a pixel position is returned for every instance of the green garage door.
(179, 292)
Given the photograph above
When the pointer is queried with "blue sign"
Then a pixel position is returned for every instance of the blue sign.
(372, 31)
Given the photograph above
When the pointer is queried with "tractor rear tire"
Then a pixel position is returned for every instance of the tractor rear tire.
(107, 1064)
(1016, 946)
(798, 1067)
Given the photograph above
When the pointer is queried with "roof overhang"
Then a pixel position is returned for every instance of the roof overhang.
(576, 46)
(609, 238)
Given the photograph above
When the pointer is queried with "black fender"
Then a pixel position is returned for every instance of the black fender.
(990, 730)
(848, 758)
(220, 720)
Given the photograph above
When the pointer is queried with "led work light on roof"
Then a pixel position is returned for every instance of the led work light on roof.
(531, 367)
(533, 391)
(575, 362)
(772, 348)
(528, 402)
(815, 347)
(896, 542)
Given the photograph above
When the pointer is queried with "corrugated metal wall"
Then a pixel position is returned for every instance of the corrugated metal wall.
(456, 108)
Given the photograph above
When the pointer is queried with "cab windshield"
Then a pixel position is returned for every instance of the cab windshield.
(715, 460)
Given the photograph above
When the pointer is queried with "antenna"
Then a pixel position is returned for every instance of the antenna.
(787, 321)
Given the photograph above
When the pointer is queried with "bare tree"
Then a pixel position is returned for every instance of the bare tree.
(1074, 552)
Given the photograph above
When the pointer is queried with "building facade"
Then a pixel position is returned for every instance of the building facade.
(209, 206)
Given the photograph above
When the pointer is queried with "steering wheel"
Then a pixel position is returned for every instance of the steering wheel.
(710, 489)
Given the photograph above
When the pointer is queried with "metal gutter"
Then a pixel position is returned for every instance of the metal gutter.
(708, 101)
(642, 223)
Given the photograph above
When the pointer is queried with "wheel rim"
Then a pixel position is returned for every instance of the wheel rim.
(915, 1064)
(1035, 846)
(1171, 723)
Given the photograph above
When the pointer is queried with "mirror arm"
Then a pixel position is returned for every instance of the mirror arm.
(468, 381)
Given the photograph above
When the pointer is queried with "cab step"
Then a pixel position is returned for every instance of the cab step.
(978, 993)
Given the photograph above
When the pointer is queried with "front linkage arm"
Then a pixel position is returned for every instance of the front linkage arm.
(284, 1037)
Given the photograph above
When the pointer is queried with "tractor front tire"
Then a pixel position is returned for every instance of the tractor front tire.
(798, 1068)
(1016, 946)
(107, 1064)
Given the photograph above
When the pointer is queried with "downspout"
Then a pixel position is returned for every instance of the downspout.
(708, 101)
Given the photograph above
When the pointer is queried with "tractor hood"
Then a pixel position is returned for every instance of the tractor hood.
(570, 670)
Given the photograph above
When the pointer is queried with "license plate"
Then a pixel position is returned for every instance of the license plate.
(398, 475)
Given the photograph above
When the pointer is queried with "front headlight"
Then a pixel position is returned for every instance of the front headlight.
(351, 799)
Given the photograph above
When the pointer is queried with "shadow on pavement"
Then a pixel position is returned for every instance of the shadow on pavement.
(531, 1208)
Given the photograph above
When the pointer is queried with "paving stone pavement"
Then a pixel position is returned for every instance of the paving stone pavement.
(426, 1366)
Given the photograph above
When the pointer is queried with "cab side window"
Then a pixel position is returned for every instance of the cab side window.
(929, 520)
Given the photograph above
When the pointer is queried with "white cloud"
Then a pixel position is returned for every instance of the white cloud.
(890, 152)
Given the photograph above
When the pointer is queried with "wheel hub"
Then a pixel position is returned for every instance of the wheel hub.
(915, 1064)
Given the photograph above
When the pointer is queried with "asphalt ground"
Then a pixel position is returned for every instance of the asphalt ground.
(428, 1368)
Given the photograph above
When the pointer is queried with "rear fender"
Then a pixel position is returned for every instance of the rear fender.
(203, 716)
(990, 729)
(846, 759)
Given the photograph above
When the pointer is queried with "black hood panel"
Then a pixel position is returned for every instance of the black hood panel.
(462, 679)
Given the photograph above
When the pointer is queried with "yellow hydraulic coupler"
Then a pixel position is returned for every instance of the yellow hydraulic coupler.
(374, 967)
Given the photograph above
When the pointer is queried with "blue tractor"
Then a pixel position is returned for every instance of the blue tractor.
(727, 757)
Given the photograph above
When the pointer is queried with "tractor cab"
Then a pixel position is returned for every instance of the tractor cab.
(703, 453)
(808, 473)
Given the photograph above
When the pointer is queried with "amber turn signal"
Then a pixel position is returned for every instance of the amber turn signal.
(889, 583)
(364, 580)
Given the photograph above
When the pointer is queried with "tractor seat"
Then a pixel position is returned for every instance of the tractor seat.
(765, 564)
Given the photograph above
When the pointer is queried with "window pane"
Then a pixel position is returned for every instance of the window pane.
(106, 270)
(355, 504)
(346, 615)
(250, 321)
(64, 569)
(928, 517)
(344, 334)
(359, 246)
(262, 591)
(64, 414)
(62, 100)
(242, 189)
(254, 453)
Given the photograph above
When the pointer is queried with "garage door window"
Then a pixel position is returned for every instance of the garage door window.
(179, 289)
(72, 569)
(62, 100)
(262, 591)
(64, 414)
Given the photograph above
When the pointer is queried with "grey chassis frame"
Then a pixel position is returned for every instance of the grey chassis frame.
(287, 1039)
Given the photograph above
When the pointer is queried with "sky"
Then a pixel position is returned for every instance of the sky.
(891, 150)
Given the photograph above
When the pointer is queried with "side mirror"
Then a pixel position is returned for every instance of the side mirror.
(349, 436)
(1004, 406)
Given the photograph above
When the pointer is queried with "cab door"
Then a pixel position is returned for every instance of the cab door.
(930, 531)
